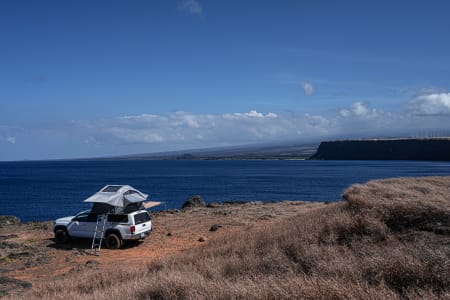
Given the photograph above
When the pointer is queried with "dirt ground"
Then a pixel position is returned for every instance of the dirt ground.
(28, 253)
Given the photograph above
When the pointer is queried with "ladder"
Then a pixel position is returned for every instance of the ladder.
(99, 232)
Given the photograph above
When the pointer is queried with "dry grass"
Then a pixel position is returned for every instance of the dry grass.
(390, 239)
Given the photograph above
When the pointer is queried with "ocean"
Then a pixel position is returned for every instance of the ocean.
(45, 190)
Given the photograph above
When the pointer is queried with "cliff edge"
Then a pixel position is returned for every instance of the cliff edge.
(385, 149)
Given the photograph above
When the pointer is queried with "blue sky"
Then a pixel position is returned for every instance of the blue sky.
(95, 78)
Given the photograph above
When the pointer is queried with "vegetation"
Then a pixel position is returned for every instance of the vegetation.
(389, 239)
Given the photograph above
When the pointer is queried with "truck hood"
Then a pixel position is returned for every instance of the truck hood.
(64, 221)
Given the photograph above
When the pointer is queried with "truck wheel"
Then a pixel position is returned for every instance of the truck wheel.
(61, 236)
(113, 241)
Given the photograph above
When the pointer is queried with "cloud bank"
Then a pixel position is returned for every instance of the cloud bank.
(185, 130)
(193, 129)
(144, 133)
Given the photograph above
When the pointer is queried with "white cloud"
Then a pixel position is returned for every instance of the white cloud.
(181, 119)
(91, 141)
(141, 118)
(428, 91)
(360, 110)
(308, 88)
(8, 134)
(250, 114)
(318, 122)
(431, 104)
(136, 135)
(360, 117)
(191, 6)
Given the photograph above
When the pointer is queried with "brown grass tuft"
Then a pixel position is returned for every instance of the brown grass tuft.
(403, 204)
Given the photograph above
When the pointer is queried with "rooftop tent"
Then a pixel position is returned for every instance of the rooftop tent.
(117, 196)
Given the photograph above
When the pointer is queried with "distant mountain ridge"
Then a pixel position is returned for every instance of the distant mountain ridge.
(299, 151)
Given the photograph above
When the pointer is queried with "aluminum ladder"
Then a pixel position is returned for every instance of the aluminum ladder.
(99, 232)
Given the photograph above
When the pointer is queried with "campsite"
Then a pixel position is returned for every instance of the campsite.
(32, 255)
(386, 239)
(117, 215)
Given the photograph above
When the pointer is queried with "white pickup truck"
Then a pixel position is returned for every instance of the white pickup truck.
(118, 229)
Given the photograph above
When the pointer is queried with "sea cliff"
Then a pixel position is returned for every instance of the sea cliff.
(385, 149)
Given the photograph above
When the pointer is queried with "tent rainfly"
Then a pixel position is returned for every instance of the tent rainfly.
(117, 196)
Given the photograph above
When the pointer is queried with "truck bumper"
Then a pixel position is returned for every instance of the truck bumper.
(138, 236)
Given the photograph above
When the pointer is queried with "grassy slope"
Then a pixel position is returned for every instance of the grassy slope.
(390, 239)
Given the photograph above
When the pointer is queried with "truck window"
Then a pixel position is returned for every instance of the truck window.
(82, 217)
(141, 218)
(118, 218)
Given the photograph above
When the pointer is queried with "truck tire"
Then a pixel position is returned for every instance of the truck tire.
(61, 236)
(113, 241)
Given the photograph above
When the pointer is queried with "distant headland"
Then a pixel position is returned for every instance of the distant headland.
(436, 149)
(385, 149)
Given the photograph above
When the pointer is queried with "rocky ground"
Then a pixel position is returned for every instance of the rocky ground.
(28, 253)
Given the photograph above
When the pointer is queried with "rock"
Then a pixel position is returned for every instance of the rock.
(234, 202)
(78, 252)
(8, 245)
(9, 220)
(19, 254)
(8, 284)
(9, 236)
(194, 201)
(91, 263)
(39, 225)
(215, 227)
(202, 239)
(30, 263)
(42, 259)
(169, 234)
(266, 217)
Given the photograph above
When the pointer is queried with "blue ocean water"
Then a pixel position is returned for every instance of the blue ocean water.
(45, 190)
